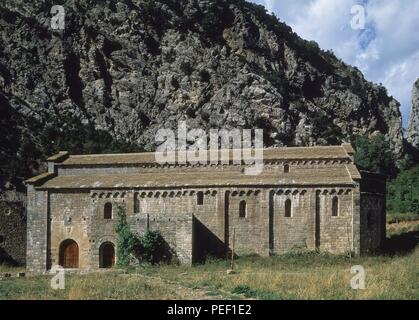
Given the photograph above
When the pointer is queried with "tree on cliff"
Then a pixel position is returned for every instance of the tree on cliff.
(374, 154)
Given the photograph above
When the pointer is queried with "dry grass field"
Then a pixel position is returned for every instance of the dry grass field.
(299, 275)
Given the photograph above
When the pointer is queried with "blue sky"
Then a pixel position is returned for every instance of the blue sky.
(386, 50)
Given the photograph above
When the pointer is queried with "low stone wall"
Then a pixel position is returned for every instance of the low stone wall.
(177, 232)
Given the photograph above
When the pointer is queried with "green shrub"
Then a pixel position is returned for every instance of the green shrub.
(403, 192)
(312, 47)
(414, 206)
(126, 240)
(248, 292)
(374, 154)
(149, 247)
(245, 290)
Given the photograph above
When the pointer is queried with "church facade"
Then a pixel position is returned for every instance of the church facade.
(310, 198)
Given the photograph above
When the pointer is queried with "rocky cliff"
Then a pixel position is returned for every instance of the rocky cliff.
(413, 131)
(120, 70)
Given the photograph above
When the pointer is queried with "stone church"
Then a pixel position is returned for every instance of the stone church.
(311, 198)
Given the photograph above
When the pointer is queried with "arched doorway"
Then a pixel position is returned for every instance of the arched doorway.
(107, 255)
(69, 254)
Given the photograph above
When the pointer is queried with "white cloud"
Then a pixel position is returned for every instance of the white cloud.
(387, 51)
(270, 5)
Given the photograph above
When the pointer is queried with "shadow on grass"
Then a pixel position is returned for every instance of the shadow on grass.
(401, 244)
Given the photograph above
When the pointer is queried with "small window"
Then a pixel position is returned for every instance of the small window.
(1, 239)
(107, 214)
(200, 198)
(286, 168)
(335, 207)
(136, 203)
(288, 208)
(242, 209)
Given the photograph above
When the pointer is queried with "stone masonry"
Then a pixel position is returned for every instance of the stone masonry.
(311, 198)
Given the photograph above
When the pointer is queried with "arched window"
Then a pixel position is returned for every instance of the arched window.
(242, 209)
(286, 168)
(288, 208)
(335, 207)
(136, 203)
(69, 254)
(200, 198)
(107, 212)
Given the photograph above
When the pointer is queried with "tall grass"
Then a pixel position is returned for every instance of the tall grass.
(297, 275)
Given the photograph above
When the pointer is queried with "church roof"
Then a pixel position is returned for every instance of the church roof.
(288, 153)
(344, 173)
(319, 176)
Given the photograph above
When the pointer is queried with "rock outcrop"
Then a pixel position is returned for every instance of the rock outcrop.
(120, 70)
(413, 131)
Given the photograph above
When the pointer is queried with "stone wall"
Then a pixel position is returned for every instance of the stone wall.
(291, 232)
(198, 222)
(194, 231)
(79, 216)
(334, 233)
(177, 233)
(38, 230)
(252, 230)
(372, 206)
(102, 230)
(176, 213)
(275, 166)
(71, 217)
(373, 221)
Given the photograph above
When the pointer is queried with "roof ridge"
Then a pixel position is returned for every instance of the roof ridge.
(109, 154)
(191, 151)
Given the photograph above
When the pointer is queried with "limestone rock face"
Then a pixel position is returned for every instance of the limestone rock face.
(413, 131)
(125, 69)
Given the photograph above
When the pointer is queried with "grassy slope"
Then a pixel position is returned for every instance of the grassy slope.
(290, 276)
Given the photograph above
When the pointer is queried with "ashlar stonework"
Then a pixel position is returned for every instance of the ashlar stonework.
(311, 198)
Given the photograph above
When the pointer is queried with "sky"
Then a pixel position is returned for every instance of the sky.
(380, 37)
